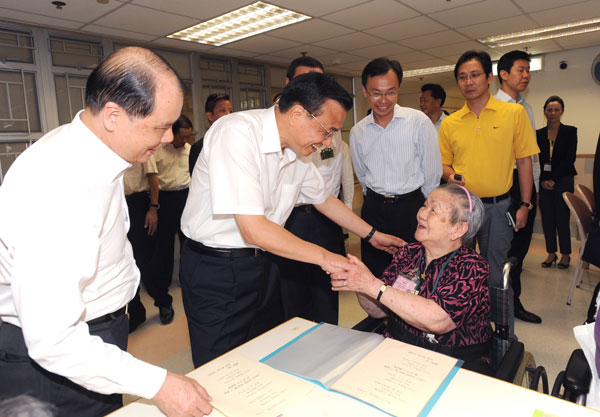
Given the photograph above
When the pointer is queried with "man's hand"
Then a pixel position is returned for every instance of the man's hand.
(151, 220)
(521, 219)
(386, 242)
(331, 259)
(181, 396)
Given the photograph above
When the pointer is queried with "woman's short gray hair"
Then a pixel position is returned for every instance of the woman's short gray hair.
(26, 406)
(460, 212)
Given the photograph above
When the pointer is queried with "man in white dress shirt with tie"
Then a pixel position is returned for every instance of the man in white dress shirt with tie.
(396, 158)
(66, 268)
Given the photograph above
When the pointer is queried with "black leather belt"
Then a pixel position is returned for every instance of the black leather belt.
(108, 317)
(494, 200)
(307, 208)
(223, 252)
(393, 198)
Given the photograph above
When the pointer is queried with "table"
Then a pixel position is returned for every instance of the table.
(468, 394)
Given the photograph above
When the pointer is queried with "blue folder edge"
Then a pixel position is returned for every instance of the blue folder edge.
(438, 393)
(294, 340)
(426, 410)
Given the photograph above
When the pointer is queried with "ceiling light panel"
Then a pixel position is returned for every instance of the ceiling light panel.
(242, 23)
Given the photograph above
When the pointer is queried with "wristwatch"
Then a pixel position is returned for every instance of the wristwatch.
(381, 291)
(155, 205)
(526, 204)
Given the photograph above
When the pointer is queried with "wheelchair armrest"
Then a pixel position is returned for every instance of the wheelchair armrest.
(371, 324)
(578, 374)
(509, 365)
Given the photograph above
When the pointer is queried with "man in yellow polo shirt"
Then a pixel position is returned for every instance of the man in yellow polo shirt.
(479, 145)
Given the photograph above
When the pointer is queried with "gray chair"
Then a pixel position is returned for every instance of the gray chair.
(583, 218)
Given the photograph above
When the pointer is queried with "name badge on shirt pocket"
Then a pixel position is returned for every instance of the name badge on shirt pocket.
(547, 168)
(407, 283)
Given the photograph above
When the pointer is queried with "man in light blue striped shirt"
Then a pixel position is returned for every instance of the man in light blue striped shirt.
(396, 158)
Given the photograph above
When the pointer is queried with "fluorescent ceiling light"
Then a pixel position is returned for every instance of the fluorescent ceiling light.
(536, 64)
(548, 32)
(242, 23)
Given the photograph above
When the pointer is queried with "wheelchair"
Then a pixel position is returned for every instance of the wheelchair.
(510, 361)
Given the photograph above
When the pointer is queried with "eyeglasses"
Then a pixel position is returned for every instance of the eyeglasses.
(328, 133)
(464, 77)
(377, 94)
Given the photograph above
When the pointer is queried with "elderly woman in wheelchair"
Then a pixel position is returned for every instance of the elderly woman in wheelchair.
(435, 291)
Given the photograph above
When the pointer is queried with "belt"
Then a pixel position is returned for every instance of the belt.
(223, 252)
(393, 198)
(307, 208)
(494, 200)
(108, 317)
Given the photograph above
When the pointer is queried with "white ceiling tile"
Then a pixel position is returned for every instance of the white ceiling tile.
(310, 31)
(372, 14)
(316, 8)
(339, 59)
(408, 28)
(432, 40)
(407, 57)
(356, 67)
(498, 27)
(274, 59)
(177, 43)
(436, 62)
(572, 13)
(456, 49)
(579, 41)
(533, 48)
(263, 44)
(538, 5)
(18, 16)
(430, 6)
(357, 40)
(310, 50)
(485, 11)
(376, 51)
(81, 11)
(118, 33)
(196, 9)
(144, 20)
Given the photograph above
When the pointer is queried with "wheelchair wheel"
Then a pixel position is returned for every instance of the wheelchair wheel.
(523, 376)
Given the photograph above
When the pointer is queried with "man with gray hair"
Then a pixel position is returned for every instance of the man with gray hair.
(67, 271)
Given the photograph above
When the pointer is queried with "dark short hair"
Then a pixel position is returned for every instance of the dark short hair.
(311, 90)
(508, 60)
(182, 123)
(128, 77)
(436, 91)
(212, 100)
(557, 99)
(381, 66)
(481, 56)
(303, 61)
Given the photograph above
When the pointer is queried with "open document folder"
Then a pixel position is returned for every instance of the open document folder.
(392, 376)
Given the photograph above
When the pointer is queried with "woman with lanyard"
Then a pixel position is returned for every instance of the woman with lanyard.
(435, 291)
(558, 151)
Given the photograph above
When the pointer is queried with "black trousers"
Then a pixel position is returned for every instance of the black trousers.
(169, 225)
(519, 245)
(556, 215)
(144, 249)
(396, 218)
(306, 288)
(19, 374)
(227, 301)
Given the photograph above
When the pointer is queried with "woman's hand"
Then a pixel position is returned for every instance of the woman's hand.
(354, 276)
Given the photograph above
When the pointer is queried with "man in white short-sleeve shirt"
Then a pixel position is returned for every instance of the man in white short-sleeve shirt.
(244, 186)
(66, 267)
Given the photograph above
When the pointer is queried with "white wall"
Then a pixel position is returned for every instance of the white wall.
(576, 87)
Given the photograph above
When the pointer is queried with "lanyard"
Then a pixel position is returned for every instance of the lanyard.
(440, 272)
(551, 146)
